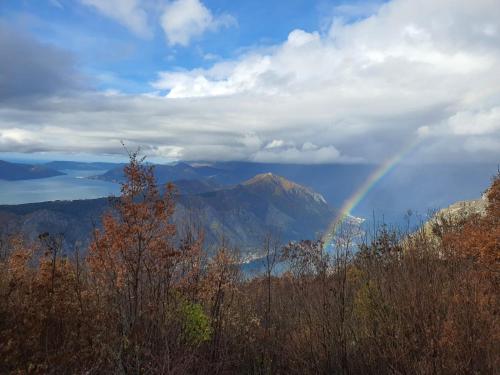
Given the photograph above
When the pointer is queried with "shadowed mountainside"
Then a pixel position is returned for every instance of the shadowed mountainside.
(17, 171)
(75, 165)
(241, 215)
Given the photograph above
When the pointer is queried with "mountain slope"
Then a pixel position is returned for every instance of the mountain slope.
(164, 173)
(421, 187)
(282, 188)
(457, 213)
(189, 187)
(16, 171)
(76, 165)
(242, 214)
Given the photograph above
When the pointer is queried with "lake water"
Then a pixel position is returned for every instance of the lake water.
(73, 185)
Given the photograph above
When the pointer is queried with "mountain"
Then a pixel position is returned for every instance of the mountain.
(16, 171)
(83, 166)
(245, 213)
(189, 187)
(457, 212)
(465, 209)
(270, 184)
(74, 219)
(419, 188)
(335, 181)
(241, 215)
(163, 173)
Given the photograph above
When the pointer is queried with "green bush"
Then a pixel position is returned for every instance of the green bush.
(196, 328)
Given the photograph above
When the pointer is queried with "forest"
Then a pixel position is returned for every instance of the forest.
(145, 299)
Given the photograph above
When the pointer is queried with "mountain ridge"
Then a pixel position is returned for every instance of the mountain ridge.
(19, 171)
(242, 214)
(282, 183)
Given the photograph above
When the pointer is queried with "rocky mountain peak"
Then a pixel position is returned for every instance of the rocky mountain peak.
(281, 185)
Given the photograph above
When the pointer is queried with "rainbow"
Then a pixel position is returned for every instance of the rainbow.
(367, 185)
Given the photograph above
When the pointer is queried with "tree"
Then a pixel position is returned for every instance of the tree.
(132, 261)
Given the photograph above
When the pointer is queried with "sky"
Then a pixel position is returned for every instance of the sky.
(292, 81)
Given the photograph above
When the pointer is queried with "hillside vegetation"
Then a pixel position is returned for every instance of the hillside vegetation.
(138, 302)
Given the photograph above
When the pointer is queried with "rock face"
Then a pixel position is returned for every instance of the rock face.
(15, 171)
(241, 215)
(466, 208)
(457, 212)
(279, 186)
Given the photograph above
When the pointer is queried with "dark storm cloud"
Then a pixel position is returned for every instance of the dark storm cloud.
(31, 68)
(362, 91)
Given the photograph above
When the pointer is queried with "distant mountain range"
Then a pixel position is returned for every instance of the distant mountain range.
(240, 215)
(420, 187)
(10, 171)
(16, 171)
(178, 171)
(76, 165)
(334, 181)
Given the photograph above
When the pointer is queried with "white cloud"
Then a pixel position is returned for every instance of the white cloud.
(275, 143)
(200, 83)
(299, 38)
(313, 155)
(476, 123)
(16, 136)
(167, 152)
(183, 20)
(127, 12)
(357, 92)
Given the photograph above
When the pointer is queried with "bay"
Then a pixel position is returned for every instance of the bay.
(73, 185)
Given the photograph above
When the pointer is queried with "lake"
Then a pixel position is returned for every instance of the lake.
(73, 185)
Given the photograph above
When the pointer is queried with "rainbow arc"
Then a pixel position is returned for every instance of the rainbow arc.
(379, 173)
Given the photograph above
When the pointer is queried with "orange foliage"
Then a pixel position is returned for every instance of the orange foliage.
(144, 301)
(479, 237)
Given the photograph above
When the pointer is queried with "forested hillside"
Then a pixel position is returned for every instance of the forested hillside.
(240, 215)
(136, 301)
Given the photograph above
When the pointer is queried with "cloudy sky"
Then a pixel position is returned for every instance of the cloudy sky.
(295, 81)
